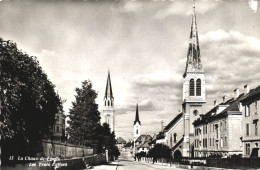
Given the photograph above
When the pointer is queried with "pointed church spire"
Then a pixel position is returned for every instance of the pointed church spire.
(137, 116)
(193, 63)
(109, 93)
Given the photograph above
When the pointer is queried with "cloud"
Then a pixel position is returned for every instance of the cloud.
(127, 6)
(231, 60)
(143, 106)
(156, 79)
(184, 8)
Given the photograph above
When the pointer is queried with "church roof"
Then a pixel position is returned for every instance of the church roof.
(173, 122)
(137, 116)
(108, 93)
(193, 63)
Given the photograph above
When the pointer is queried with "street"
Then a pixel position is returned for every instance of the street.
(128, 163)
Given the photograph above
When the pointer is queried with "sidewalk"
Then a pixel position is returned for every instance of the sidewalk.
(108, 166)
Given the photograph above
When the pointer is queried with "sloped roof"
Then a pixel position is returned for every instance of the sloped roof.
(173, 122)
(144, 138)
(209, 116)
(120, 140)
(253, 95)
(129, 144)
(145, 145)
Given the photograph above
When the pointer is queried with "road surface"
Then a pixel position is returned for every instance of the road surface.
(128, 163)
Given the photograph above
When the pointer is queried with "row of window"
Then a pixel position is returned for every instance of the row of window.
(212, 142)
(212, 128)
(192, 87)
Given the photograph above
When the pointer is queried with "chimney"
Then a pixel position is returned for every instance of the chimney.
(215, 103)
(224, 98)
(236, 93)
(162, 125)
(246, 89)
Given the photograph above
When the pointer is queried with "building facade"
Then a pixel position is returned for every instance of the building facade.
(219, 131)
(120, 143)
(108, 110)
(250, 120)
(59, 125)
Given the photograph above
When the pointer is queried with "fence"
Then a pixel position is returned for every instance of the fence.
(234, 162)
(64, 150)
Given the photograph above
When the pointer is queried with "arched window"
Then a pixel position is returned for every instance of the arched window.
(171, 141)
(192, 87)
(198, 87)
(108, 103)
(136, 131)
(175, 137)
(111, 103)
(105, 103)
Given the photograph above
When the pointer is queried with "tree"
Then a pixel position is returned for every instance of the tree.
(28, 102)
(84, 115)
(107, 140)
(160, 151)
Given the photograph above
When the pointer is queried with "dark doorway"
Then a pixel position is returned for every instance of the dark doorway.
(177, 154)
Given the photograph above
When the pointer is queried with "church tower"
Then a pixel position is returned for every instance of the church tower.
(108, 110)
(137, 124)
(194, 93)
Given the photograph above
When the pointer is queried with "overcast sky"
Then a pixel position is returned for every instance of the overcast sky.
(143, 44)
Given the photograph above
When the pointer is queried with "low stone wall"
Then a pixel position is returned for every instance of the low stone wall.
(64, 150)
(95, 159)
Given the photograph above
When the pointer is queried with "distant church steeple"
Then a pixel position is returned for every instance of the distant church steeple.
(137, 116)
(108, 110)
(194, 91)
(137, 124)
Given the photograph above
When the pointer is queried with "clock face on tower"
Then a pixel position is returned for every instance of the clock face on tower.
(195, 112)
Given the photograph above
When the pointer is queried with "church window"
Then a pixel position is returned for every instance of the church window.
(105, 103)
(192, 87)
(108, 103)
(225, 142)
(198, 87)
(137, 131)
(175, 137)
(171, 141)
